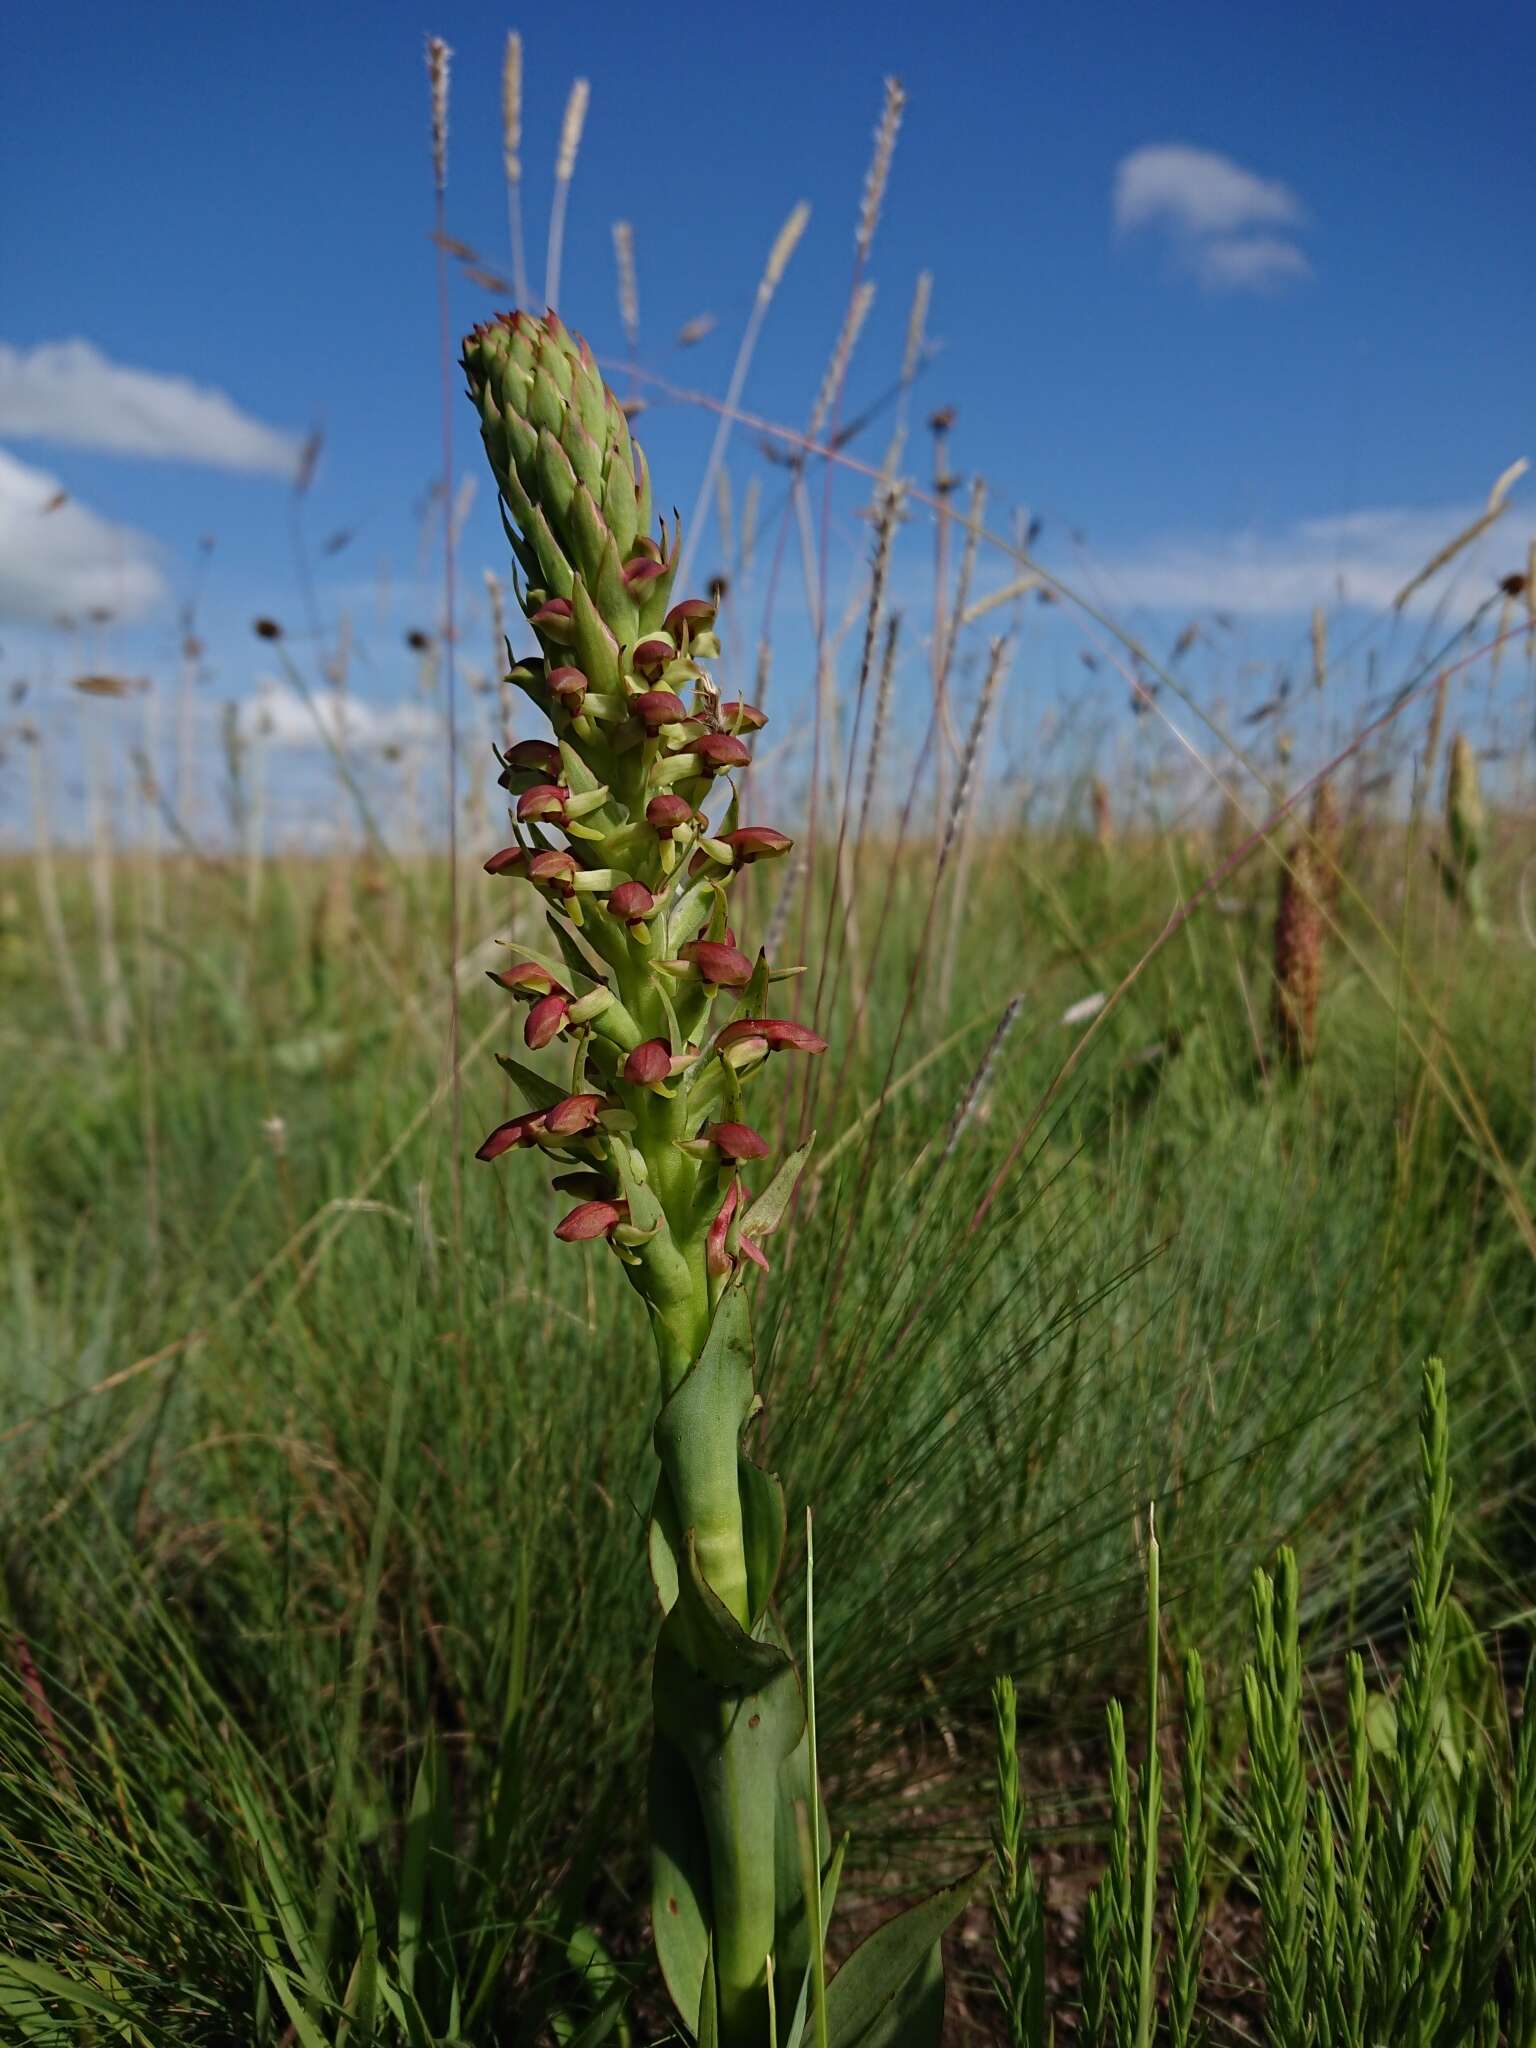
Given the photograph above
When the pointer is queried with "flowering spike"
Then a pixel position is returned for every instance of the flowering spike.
(620, 670)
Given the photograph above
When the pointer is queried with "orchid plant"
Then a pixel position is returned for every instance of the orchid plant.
(665, 1022)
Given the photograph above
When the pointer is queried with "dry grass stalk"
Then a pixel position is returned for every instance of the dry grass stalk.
(971, 1103)
(512, 161)
(878, 175)
(1298, 957)
(1453, 547)
(837, 367)
(1319, 648)
(439, 57)
(629, 287)
(883, 697)
(960, 837)
(911, 363)
(565, 170)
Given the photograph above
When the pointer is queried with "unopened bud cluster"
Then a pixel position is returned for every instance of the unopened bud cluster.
(625, 824)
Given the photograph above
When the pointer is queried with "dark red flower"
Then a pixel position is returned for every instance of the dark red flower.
(639, 571)
(540, 757)
(756, 842)
(651, 655)
(553, 620)
(544, 800)
(633, 902)
(592, 1219)
(546, 1021)
(739, 716)
(656, 708)
(717, 750)
(572, 1115)
(716, 1257)
(722, 966)
(696, 613)
(517, 1131)
(779, 1034)
(570, 686)
(506, 862)
(666, 812)
(527, 978)
(737, 1142)
(553, 868)
(649, 1063)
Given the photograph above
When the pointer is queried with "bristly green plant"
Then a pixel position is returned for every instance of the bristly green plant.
(1398, 1907)
(650, 1138)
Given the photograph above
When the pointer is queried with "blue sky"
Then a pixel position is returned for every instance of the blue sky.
(1302, 348)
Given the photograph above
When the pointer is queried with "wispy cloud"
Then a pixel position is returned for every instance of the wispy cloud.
(1359, 560)
(279, 714)
(69, 392)
(1249, 263)
(1209, 207)
(58, 559)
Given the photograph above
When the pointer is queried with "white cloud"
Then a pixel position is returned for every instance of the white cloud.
(58, 559)
(1358, 559)
(282, 717)
(68, 391)
(1249, 263)
(1207, 205)
(1198, 191)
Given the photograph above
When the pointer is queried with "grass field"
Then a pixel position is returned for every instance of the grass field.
(1176, 1112)
(321, 1460)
